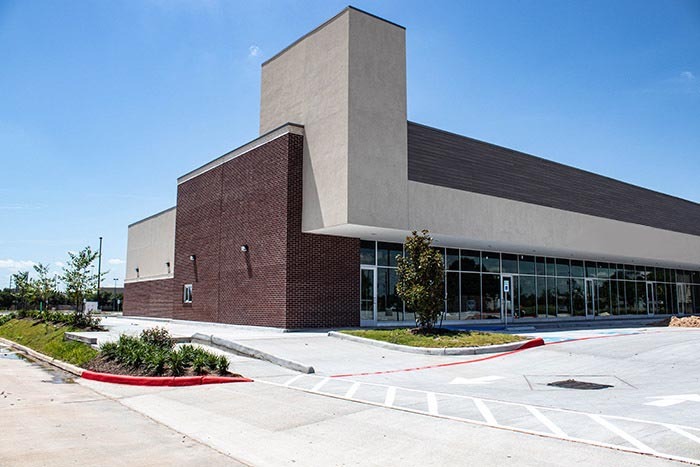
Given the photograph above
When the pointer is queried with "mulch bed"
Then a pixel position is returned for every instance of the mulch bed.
(100, 365)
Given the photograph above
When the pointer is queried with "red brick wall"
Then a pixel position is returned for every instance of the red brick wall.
(149, 298)
(197, 232)
(323, 272)
(286, 279)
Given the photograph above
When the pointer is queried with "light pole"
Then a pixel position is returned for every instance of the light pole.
(115, 295)
(99, 271)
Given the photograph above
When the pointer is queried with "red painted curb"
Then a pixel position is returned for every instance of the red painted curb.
(537, 342)
(162, 380)
(533, 343)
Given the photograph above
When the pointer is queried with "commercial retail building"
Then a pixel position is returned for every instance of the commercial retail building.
(299, 228)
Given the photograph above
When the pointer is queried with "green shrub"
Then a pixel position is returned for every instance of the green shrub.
(110, 350)
(212, 362)
(6, 318)
(157, 361)
(199, 364)
(157, 337)
(176, 362)
(222, 365)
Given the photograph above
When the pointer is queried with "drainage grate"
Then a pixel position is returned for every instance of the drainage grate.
(573, 384)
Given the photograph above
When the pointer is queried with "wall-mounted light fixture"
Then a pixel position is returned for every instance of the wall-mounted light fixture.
(167, 265)
(193, 257)
(137, 272)
(244, 248)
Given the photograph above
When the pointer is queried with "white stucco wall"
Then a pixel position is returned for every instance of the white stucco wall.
(308, 84)
(346, 83)
(150, 245)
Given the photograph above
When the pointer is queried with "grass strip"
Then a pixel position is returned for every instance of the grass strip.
(438, 339)
(48, 339)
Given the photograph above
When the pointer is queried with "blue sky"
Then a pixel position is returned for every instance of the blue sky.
(104, 104)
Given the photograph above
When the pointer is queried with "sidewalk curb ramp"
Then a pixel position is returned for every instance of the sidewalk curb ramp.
(246, 351)
(522, 345)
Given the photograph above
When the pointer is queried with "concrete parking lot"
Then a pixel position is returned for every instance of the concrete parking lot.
(367, 405)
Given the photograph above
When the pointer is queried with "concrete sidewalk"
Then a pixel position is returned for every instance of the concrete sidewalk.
(49, 420)
(329, 356)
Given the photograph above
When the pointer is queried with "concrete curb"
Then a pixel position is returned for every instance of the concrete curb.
(76, 370)
(445, 350)
(250, 352)
(178, 381)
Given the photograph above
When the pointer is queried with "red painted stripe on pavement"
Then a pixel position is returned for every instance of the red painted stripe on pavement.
(534, 343)
(528, 345)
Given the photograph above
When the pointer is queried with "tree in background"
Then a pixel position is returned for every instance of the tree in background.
(78, 276)
(24, 291)
(44, 285)
(421, 281)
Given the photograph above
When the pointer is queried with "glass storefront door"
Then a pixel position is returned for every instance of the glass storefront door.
(591, 299)
(507, 293)
(652, 301)
(685, 299)
(368, 296)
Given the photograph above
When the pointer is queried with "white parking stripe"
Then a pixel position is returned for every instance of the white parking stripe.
(485, 412)
(626, 436)
(547, 422)
(353, 389)
(288, 383)
(390, 396)
(491, 421)
(320, 384)
(682, 432)
(432, 403)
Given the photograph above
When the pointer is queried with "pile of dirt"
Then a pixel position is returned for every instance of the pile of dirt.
(687, 322)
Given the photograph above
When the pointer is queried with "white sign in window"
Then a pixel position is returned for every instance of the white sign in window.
(187, 294)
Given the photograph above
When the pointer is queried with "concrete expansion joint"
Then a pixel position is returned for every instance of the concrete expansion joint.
(441, 351)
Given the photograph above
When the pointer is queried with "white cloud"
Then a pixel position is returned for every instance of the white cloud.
(60, 264)
(116, 261)
(16, 264)
(254, 51)
(687, 76)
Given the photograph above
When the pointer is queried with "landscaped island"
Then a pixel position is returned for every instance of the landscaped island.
(154, 353)
(436, 338)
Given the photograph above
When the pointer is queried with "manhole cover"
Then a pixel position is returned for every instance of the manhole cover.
(574, 384)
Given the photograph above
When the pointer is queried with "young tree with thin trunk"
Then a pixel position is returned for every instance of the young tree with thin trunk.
(24, 292)
(44, 285)
(421, 283)
(79, 278)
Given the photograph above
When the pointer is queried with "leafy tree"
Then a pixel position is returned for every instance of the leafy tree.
(24, 291)
(78, 277)
(421, 282)
(6, 299)
(44, 285)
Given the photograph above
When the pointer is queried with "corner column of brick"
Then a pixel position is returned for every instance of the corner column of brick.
(323, 271)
